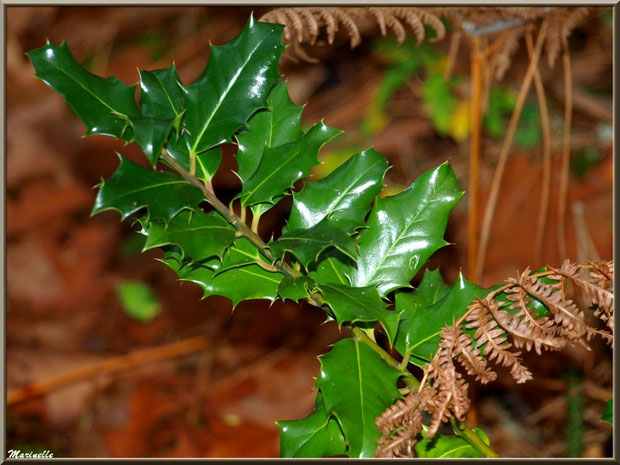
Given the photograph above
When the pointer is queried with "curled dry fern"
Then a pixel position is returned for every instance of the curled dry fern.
(314, 25)
(483, 334)
(311, 25)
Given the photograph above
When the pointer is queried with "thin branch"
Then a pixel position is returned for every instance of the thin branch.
(505, 151)
(546, 153)
(107, 366)
(455, 41)
(255, 220)
(361, 336)
(568, 114)
(462, 430)
(478, 59)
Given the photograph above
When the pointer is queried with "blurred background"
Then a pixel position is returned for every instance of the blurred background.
(126, 362)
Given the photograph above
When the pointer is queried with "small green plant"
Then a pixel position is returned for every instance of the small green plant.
(138, 301)
(345, 249)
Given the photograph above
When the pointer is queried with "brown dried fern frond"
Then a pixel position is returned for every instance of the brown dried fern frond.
(443, 391)
(305, 25)
(561, 22)
(451, 399)
(565, 312)
(494, 338)
(406, 417)
(471, 359)
(596, 285)
(526, 329)
(507, 50)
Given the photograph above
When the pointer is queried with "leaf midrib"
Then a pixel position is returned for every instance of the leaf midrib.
(163, 88)
(58, 67)
(232, 83)
(315, 432)
(278, 169)
(464, 446)
(359, 378)
(152, 186)
(198, 228)
(268, 278)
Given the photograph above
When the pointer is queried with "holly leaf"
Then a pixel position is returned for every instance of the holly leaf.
(359, 304)
(105, 105)
(420, 326)
(430, 290)
(307, 244)
(317, 435)
(344, 196)
(333, 267)
(133, 187)
(236, 283)
(443, 446)
(295, 288)
(281, 166)
(279, 124)
(151, 134)
(241, 253)
(234, 84)
(198, 235)
(357, 387)
(160, 93)
(405, 230)
(207, 163)
(608, 413)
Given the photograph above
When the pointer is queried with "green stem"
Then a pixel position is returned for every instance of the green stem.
(360, 335)
(255, 219)
(462, 430)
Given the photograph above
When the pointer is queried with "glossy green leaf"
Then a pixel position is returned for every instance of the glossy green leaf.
(281, 166)
(133, 187)
(198, 235)
(234, 84)
(608, 413)
(105, 105)
(160, 93)
(151, 134)
(207, 163)
(357, 387)
(307, 244)
(315, 436)
(420, 326)
(279, 124)
(295, 288)
(430, 290)
(241, 253)
(138, 301)
(333, 267)
(359, 304)
(238, 283)
(344, 196)
(443, 446)
(405, 230)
